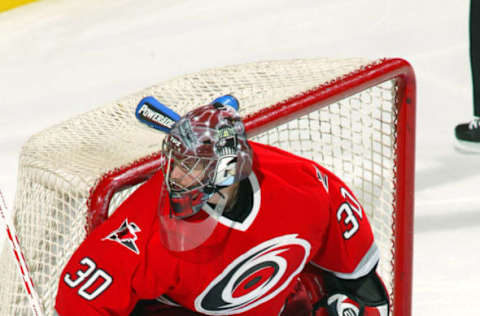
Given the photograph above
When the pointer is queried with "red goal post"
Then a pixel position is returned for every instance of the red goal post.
(355, 82)
(354, 116)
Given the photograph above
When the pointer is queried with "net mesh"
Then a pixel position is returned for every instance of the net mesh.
(355, 138)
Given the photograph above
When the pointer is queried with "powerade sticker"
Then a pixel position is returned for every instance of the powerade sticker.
(155, 114)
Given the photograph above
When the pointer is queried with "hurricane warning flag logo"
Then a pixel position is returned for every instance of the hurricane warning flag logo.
(126, 235)
(255, 277)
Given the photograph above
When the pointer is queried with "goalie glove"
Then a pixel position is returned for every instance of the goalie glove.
(340, 304)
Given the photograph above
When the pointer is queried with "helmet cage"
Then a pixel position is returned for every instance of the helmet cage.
(187, 180)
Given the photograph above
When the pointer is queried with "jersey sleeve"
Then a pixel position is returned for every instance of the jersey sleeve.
(110, 271)
(348, 248)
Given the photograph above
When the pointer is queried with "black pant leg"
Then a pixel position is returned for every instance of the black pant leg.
(475, 53)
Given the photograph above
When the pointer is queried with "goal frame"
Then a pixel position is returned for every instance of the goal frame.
(386, 69)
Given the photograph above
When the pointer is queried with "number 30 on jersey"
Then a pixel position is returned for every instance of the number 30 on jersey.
(95, 281)
(346, 214)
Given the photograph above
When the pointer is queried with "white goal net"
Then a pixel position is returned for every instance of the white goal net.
(342, 113)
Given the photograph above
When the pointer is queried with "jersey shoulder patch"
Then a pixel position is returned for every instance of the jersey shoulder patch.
(322, 177)
(126, 235)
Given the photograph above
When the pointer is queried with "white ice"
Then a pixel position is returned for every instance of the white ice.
(62, 58)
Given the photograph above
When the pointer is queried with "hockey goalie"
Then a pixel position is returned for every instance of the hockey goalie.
(228, 227)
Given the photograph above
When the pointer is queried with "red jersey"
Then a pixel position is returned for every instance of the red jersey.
(300, 214)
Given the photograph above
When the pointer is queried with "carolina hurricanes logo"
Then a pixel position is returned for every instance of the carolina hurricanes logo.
(323, 178)
(255, 277)
(126, 235)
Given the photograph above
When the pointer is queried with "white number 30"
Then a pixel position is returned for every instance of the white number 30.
(347, 211)
(92, 275)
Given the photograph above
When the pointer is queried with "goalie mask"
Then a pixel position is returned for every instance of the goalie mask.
(206, 151)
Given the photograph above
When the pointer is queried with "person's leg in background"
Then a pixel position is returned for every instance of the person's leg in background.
(468, 134)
